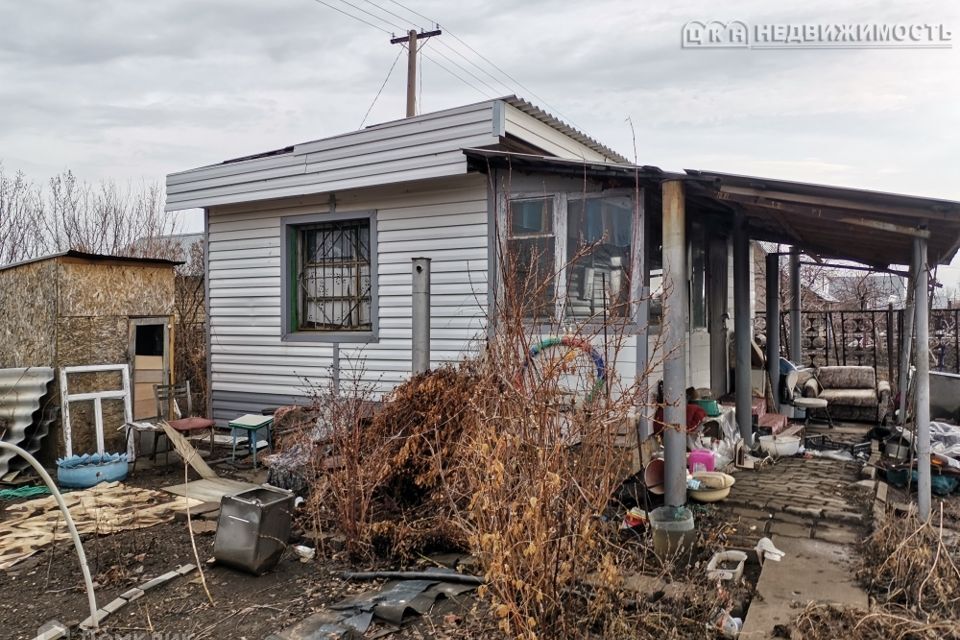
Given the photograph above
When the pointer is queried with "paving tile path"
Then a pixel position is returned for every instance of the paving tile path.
(796, 498)
(812, 512)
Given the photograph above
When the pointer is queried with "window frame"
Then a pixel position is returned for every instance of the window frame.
(290, 228)
(560, 199)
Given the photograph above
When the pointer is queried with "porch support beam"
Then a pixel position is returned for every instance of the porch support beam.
(741, 324)
(674, 328)
(796, 347)
(717, 313)
(906, 343)
(921, 409)
(836, 203)
(773, 326)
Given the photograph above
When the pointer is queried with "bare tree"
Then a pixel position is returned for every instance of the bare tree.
(68, 213)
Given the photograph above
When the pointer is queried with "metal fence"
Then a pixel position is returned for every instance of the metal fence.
(871, 337)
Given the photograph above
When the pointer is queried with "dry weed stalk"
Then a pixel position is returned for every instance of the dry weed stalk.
(828, 622)
(906, 563)
(512, 457)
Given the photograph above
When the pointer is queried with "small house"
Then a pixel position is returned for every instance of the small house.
(310, 248)
(79, 309)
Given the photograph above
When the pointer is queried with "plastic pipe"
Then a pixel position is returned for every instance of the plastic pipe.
(87, 579)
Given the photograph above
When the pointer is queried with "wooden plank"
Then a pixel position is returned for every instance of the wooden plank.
(145, 408)
(188, 453)
(148, 362)
(149, 377)
(209, 489)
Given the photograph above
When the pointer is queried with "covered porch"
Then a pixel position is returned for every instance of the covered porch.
(883, 232)
(699, 230)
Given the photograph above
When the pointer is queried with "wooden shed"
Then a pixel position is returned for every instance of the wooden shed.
(78, 309)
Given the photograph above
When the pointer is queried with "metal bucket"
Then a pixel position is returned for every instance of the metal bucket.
(253, 529)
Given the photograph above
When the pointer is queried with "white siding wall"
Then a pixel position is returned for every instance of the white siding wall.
(441, 219)
(427, 146)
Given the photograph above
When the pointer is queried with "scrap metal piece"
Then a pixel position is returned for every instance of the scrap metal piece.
(396, 598)
(20, 393)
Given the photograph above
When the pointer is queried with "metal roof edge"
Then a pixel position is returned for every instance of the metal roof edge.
(93, 257)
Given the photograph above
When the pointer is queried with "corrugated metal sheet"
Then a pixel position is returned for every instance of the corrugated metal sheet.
(21, 391)
(553, 135)
(427, 146)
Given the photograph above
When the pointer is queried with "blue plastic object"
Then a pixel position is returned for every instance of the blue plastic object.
(80, 472)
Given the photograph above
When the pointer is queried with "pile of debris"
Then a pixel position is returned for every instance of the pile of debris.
(381, 477)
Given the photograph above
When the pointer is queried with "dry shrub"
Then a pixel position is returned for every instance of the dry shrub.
(906, 563)
(379, 475)
(512, 457)
(828, 622)
(912, 573)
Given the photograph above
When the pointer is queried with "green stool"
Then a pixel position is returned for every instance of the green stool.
(251, 423)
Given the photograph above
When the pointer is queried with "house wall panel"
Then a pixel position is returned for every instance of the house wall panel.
(428, 146)
(442, 220)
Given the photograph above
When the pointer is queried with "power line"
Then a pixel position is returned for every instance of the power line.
(468, 72)
(455, 75)
(487, 60)
(395, 15)
(350, 15)
(379, 28)
(375, 16)
(414, 12)
(481, 69)
(380, 90)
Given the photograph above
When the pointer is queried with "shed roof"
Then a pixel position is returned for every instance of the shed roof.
(417, 148)
(870, 227)
(93, 257)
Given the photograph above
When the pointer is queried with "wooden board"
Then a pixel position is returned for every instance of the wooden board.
(190, 455)
(147, 371)
(209, 489)
(106, 508)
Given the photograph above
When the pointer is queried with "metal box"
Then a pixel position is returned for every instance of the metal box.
(253, 529)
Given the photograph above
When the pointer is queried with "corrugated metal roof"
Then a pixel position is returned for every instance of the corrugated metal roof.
(547, 118)
(20, 393)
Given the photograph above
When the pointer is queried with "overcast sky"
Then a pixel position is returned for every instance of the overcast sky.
(134, 90)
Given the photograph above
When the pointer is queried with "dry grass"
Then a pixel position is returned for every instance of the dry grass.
(907, 564)
(911, 573)
(827, 622)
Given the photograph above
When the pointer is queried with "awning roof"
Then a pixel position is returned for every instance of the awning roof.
(870, 227)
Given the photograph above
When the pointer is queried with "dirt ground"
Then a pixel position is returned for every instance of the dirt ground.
(49, 586)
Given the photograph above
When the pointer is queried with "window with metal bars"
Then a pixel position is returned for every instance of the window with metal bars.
(334, 286)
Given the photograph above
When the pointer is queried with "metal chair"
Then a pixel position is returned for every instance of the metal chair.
(168, 408)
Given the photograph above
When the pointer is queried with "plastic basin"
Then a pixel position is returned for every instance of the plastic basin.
(780, 446)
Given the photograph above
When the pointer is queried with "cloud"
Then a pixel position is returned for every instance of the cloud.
(136, 90)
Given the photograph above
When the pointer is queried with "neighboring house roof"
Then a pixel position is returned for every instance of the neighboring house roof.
(93, 257)
(426, 146)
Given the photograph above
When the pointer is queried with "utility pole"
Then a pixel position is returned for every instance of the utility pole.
(411, 41)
